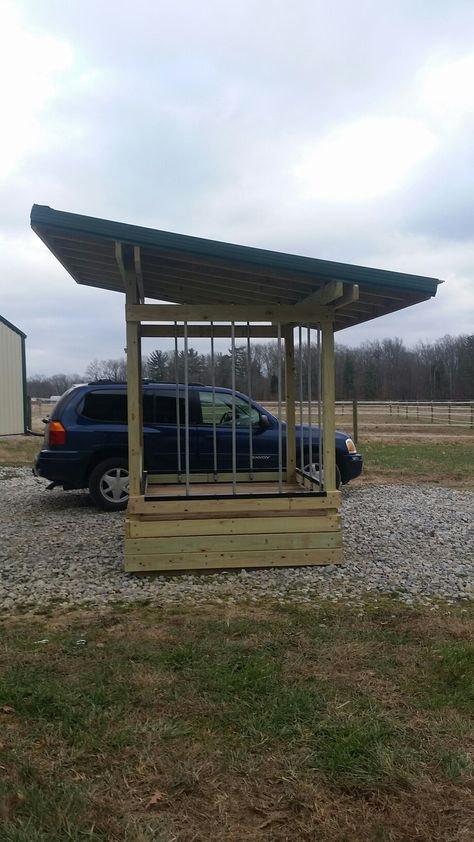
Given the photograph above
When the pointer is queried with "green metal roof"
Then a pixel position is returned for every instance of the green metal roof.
(193, 270)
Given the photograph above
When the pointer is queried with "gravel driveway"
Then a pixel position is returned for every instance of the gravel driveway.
(55, 547)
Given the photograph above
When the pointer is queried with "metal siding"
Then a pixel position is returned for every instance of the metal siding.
(12, 420)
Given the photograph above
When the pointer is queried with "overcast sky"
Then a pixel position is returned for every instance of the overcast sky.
(336, 130)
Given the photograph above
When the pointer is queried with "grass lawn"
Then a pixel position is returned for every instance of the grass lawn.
(256, 723)
(446, 463)
(449, 463)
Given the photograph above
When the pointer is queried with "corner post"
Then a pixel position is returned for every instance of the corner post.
(290, 374)
(328, 390)
(134, 392)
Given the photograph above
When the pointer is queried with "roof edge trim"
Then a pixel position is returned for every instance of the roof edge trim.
(42, 216)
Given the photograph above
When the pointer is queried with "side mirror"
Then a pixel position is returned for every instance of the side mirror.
(264, 422)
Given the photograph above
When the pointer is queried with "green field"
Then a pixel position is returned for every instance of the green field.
(449, 463)
(327, 723)
(440, 463)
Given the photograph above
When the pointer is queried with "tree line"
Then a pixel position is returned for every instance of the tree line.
(376, 370)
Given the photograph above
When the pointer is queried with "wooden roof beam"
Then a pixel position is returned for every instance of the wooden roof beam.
(327, 294)
(129, 264)
(284, 313)
(350, 295)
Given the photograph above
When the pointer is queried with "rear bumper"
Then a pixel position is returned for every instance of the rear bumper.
(350, 466)
(66, 468)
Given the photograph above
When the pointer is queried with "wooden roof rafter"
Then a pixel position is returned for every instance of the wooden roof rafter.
(191, 271)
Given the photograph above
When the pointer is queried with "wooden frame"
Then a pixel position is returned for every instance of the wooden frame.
(200, 523)
(209, 281)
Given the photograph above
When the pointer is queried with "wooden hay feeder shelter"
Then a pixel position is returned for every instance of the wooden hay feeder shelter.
(234, 513)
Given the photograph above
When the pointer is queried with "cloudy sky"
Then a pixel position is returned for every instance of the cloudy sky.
(335, 130)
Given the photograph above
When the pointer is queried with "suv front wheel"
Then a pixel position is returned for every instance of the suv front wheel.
(108, 484)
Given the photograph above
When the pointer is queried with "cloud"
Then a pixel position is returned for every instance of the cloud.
(340, 131)
(364, 159)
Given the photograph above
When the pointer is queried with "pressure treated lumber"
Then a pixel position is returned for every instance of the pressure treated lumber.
(138, 528)
(203, 561)
(231, 506)
(328, 390)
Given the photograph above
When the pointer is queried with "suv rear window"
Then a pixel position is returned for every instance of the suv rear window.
(111, 407)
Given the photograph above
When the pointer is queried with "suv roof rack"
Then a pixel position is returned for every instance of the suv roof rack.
(108, 382)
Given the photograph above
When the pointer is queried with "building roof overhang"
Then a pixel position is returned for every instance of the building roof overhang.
(191, 270)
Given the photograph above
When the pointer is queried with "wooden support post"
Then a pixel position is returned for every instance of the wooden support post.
(355, 425)
(329, 422)
(290, 375)
(134, 391)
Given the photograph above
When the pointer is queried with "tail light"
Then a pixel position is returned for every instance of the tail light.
(56, 434)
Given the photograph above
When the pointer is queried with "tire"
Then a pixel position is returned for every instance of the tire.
(108, 484)
(315, 474)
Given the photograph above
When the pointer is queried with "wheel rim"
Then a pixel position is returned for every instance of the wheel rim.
(313, 471)
(114, 485)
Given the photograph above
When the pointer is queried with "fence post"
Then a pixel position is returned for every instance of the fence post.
(472, 415)
(355, 426)
(417, 410)
(406, 411)
(449, 412)
(432, 420)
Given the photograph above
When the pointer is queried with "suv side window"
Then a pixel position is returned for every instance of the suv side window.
(111, 407)
(165, 409)
(219, 410)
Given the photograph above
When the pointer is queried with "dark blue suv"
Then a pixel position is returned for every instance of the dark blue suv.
(85, 442)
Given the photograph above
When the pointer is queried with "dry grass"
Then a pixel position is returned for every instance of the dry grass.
(449, 463)
(256, 723)
(444, 463)
(17, 451)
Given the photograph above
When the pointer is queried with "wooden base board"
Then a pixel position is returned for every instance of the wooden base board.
(225, 560)
(233, 506)
(201, 540)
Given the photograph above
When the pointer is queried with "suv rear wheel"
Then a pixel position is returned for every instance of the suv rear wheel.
(108, 484)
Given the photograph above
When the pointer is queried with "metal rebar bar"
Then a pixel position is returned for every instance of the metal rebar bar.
(280, 431)
(178, 421)
(234, 426)
(213, 385)
(321, 432)
(186, 407)
(310, 425)
(301, 398)
(249, 392)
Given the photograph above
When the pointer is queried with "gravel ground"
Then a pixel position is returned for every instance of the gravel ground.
(417, 542)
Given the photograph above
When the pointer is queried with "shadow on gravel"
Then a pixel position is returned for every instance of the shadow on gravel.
(59, 501)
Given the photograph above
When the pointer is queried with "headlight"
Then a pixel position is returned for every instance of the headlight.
(351, 448)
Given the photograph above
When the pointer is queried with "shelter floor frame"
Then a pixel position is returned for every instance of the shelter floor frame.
(212, 528)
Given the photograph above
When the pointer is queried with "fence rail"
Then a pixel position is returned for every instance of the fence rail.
(458, 414)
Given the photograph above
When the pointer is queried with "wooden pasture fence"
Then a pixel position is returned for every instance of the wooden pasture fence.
(356, 415)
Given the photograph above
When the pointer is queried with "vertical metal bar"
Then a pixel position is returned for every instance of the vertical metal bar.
(186, 406)
(213, 384)
(310, 424)
(234, 428)
(178, 422)
(280, 434)
(321, 431)
(249, 392)
(300, 343)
